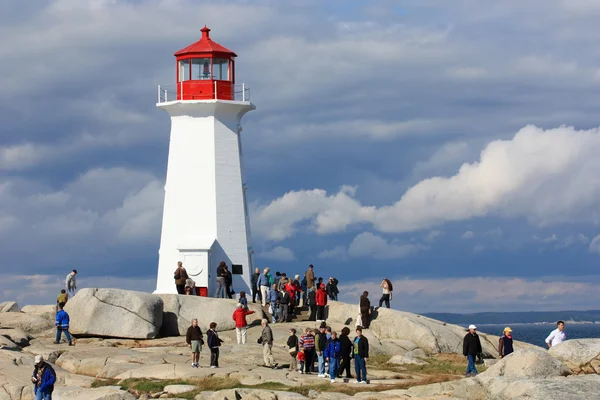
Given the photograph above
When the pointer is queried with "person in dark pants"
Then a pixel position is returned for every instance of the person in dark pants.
(332, 288)
(307, 342)
(62, 325)
(321, 299)
(471, 348)
(181, 276)
(365, 309)
(214, 342)
(345, 353)
(386, 286)
(254, 282)
(505, 343)
(228, 283)
(43, 378)
(312, 304)
(361, 355)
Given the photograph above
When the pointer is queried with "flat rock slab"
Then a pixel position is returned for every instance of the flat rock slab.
(577, 352)
(18, 336)
(103, 393)
(26, 322)
(45, 311)
(177, 389)
(528, 364)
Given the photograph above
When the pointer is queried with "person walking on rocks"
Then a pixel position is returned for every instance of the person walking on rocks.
(43, 378)
(365, 310)
(332, 288)
(263, 284)
(62, 325)
(221, 280)
(386, 286)
(345, 353)
(180, 277)
(471, 348)
(239, 316)
(557, 336)
(321, 345)
(214, 342)
(310, 277)
(194, 340)
(255, 287)
(361, 355)
(321, 299)
(505, 343)
(292, 344)
(266, 339)
(307, 342)
(63, 297)
(332, 356)
(71, 282)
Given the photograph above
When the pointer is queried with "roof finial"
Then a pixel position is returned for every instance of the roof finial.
(205, 32)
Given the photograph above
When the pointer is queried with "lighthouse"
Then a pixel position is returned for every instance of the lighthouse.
(205, 216)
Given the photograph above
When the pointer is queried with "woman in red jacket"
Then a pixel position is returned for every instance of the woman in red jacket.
(239, 316)
(321, 296)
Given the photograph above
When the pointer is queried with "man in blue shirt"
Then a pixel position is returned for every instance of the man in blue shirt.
(264, 285)
(43, 379)
(62, 325)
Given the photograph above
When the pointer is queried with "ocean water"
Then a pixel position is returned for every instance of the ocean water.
(537, 333)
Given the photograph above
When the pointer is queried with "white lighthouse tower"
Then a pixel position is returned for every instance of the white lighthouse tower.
(205, 216)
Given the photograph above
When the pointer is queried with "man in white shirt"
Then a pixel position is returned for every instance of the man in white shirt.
(71, 282)
(557, 336)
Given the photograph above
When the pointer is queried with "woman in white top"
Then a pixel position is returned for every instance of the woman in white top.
(386, 285)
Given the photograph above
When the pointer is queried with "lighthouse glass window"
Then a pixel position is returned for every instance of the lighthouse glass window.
(200, 68)
(221, 69)
(184, 70)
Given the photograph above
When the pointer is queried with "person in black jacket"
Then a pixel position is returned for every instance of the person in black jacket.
(365, 309)
(194, 340)
(332, 288)
(361, 355)
(214, 342)
(345, 353)
(228, 283)
(254, 282)
(312, 304)
(221, 277)
(471, 348)
(292, 344)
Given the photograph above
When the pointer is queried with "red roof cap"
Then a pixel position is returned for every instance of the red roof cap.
(205, 45)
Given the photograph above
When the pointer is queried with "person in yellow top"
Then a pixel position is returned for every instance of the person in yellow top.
(63, 297)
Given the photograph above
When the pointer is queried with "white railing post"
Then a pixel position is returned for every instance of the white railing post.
(181, 85)
(243, 92)
(166, 96)
(158, 94)
(215, 90)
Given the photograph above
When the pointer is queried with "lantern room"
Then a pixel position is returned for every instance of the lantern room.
(205, 70)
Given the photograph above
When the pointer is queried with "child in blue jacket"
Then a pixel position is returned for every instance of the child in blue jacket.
(332, 355)
(62, 325)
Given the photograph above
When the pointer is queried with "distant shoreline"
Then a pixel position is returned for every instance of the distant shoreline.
(544, 323)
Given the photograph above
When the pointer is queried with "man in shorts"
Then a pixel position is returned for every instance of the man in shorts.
(195, 341)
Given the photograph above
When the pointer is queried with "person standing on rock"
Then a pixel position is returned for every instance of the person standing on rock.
(345, 353)
(310, 277)
(471, 348)
(292, 345)
(194, 340)
(228, 283)
(180, 277)
(321, 299)
(557, 336)
(332, 288)
(312, 304)
(307, 342)
(361, 355)
(365, 309)
(321, 345)
(505, 343)
(243, 300)
(71, 282)
(43, 378)
(221, 280)
(386, 286)
(239, 316)
(255, 287)
(332, 355)
(266, 339)
(63, 297)
(62, 325)
(263, 284)
(284, 304)
(214, 342)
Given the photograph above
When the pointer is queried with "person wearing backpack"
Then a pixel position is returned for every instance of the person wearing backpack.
(505, 343)
(332, 355)
(180, 277)
(387, 288)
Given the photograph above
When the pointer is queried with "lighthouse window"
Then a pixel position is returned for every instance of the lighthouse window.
(200, 68)
(221, 69)
(184, 70)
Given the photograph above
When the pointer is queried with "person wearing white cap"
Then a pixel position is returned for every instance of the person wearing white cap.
(471, 348)
(43, 379)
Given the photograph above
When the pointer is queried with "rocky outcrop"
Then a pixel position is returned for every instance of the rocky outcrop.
(47, 312)
(9, 306)
(528, 364)
(179, 311)
(580, 355)
(28, 323)
(103, 393)
(115, 313)
(18, 336)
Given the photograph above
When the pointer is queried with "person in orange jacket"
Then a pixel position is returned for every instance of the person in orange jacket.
(321, 298)
(239, 316)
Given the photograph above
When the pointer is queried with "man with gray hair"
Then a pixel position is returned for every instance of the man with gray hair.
(194, 340)
(266, 339)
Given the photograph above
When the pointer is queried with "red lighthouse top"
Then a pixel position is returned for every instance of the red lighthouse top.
(205, 70)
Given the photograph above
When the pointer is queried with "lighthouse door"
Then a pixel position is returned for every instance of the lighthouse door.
(196, 264)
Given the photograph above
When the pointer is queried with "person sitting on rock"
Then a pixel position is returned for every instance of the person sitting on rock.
(62, 325)
(361, 355)
(194, 340)
(332, 355)
(63, 297)
(214, 342)
(505, 343)
(43, 378)
(190, 287)
(239, 316)
(471, 348)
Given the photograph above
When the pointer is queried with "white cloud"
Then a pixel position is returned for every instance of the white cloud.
(278, 253)
(431, 236)
(337, 253)
(369, 245)
(546, 177)
(595, 245)
(467, 235)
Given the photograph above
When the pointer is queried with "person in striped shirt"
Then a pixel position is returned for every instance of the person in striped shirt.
(307, 342)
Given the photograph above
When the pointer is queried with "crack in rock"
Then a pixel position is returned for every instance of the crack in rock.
(123, 308)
